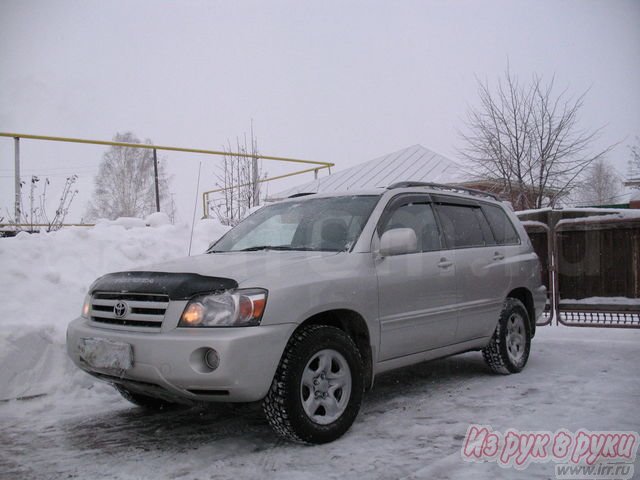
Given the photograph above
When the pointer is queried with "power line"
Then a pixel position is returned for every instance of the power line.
(37, 170)
(38, 174)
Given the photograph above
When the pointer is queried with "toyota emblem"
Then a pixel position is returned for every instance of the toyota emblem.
(120, 309)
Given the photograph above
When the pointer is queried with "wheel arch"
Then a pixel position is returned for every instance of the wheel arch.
(354, 325)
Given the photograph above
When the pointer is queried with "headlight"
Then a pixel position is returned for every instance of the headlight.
(238, 308)
(86, 307)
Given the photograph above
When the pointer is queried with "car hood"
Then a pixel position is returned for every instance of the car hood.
(239, 266)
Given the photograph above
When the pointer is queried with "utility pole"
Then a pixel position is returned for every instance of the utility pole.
(255, 187)
(16, 147)
(155, 175)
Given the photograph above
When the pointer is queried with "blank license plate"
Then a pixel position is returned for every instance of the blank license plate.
(106, 354)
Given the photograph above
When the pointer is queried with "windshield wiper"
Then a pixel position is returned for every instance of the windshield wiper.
(274, 247)
(264, 247)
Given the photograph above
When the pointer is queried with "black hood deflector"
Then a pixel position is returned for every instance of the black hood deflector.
(178, 286)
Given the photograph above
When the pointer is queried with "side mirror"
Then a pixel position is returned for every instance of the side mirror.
(398, 241)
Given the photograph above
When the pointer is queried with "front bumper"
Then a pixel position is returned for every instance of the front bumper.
(163, 366)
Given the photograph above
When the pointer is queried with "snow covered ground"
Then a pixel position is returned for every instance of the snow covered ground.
(412, 424)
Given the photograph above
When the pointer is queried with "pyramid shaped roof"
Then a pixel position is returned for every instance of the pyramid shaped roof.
(415, 163)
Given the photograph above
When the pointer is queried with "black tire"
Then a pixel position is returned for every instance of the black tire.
(508, 350)
(283, 405)
(144, 401)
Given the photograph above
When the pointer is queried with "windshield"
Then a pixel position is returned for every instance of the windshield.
(327, 224)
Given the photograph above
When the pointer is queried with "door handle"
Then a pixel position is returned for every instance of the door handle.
(444, 263)
(498, 256)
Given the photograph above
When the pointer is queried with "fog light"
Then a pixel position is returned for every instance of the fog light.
(212, 359)
(204, 360)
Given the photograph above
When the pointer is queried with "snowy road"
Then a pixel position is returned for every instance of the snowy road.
(411, 426)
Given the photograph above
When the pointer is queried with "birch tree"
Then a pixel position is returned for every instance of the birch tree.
(601, 185)
(124, 185)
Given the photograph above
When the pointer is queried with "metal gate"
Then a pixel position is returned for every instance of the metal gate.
(591, 262)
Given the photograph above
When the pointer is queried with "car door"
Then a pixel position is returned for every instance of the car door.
(416, 291)
(480, 277)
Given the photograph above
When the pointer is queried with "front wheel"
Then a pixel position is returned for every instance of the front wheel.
(508, 350)
(317, 390)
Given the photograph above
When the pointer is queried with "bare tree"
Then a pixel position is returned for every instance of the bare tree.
(525, 140)
(124, 185)
(238, 178)
(633, 177)
(600, 185)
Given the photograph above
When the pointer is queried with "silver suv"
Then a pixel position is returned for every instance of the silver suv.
(303, 303)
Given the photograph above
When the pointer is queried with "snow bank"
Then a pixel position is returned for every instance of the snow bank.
(535, 210)
(157, 219)
(581, 210)
(44, 278)
(534, 224)
(611, 217)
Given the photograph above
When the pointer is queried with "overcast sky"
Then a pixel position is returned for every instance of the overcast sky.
(339, 81)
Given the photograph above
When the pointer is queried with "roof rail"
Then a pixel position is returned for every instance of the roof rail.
(443, 186)
(301, 194)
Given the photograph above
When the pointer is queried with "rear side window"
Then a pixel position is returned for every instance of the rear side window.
(462, 226)
(503, 230)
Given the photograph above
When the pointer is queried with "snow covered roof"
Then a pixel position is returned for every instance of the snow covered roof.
(415, 163)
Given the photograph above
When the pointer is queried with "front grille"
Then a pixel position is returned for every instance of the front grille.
(140, 309)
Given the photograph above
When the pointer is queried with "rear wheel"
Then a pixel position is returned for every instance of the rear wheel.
(508, 350)
(317, 390)
(144, 401)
